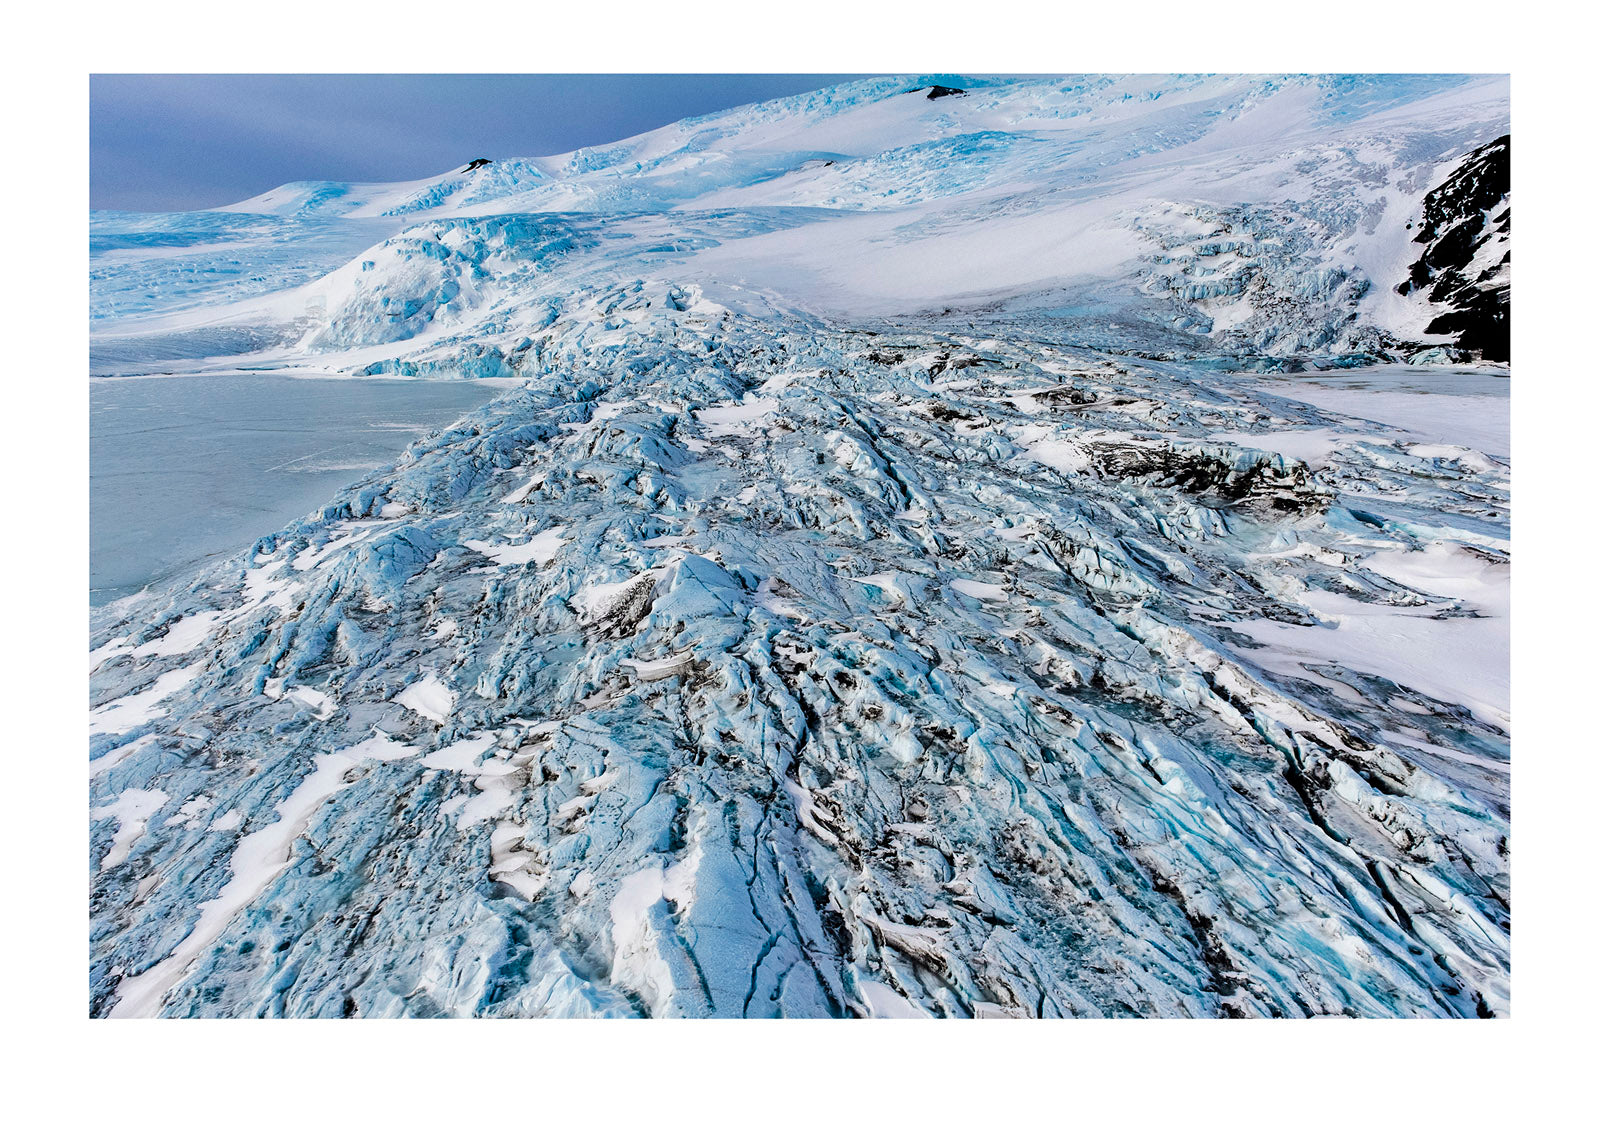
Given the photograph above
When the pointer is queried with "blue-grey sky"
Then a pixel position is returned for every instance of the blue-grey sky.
(173, 142)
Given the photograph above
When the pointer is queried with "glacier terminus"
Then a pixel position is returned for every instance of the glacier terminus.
(939, 546)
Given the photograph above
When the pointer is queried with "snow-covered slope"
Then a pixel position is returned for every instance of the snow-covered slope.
(888, 594)
(1267, 217)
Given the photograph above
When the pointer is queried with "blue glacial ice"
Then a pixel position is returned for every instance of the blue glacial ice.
(977, 603)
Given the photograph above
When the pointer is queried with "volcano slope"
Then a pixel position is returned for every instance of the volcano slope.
(749, 661)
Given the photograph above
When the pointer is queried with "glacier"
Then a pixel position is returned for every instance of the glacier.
(1020, 553)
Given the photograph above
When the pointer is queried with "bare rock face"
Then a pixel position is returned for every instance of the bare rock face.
(1465, 266)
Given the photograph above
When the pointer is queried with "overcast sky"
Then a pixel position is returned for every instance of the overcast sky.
(172, 142)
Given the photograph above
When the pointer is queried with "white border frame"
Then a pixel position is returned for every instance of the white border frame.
(69, 1070)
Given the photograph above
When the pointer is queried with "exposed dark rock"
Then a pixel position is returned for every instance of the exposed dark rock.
(1463, 220)
(1265, 481)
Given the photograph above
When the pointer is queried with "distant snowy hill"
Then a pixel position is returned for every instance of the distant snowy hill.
(958, 547)
(1271, 218)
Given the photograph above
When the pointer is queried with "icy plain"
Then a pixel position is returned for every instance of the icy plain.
(184, 470)
(940, 557)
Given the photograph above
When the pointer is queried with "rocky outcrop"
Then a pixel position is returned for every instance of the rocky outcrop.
(1465, 266)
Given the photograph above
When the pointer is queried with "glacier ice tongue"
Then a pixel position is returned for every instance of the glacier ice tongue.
(667, 684)
(886, 592)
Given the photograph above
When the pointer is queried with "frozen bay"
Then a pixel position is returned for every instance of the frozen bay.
(1438, 404)
(185, 468)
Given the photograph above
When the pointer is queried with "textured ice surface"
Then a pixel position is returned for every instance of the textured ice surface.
(1013, 655)
(783, 711)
